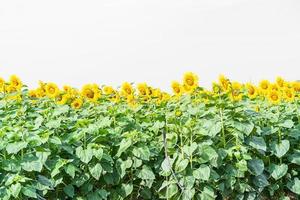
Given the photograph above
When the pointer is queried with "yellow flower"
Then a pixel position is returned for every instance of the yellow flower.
(126, 89)
(296, 86)
(216, 88)
(131, 101)
(177, 88)
(115, 97)
(15, 82)
(52, 90)
(190, 81)
(62, 99)
(264, 86)
(280, 82)
(143, 89)
(67, 88)
(273, 87)
(224, 82)
(236, 94)
(33, 93)
(2, 84)
(91, 92)
(108, 90)
(251, 91)
(10, 88)
(274, 96)
(77, 103)
(289, 94)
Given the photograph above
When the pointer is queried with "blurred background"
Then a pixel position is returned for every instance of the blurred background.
(111, 41)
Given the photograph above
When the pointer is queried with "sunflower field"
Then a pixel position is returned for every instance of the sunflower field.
(233, 141)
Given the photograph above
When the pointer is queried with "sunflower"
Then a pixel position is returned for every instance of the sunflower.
(236, 94)
(131, 101)
(280, 82)
(52, 90)
(224, 83)
(91, 92)
(143, 89)
(177, 88)
(2, 84)
(108, 90)
(274, 96)
(273, 87)
(62, 99)
(289, 94)
(15, 82)
(296, 86)
(264, 86)
(115, 97)
(77, 103)
(216, 89)
(251, 91)
(33, 93)
(190, 81)
(126, 89)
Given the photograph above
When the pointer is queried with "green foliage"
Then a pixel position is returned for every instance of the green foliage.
(218, 150)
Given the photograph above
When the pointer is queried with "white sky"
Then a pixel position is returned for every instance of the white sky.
(111, 41)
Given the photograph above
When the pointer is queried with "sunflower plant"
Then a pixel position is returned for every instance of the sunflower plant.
(234, 141)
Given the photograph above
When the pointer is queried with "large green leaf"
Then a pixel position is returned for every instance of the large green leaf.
(202, 173)
(256, 166)
(15, 147)
(278, 171)
(280, 149)
(258, 143)
(85, 155)
(294, 186)
(96, 171)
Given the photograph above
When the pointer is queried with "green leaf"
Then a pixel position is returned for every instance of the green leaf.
(294, 185)
(244, 127)
(280, 149)
(181, 165)
(256, 166)
(32, 163)
(207, 194)
(142, 153)
(126, 189)
(125, 143)
(29, 192)
(13, 148)
(278, 171)
(287, 124)
(146, 173)
(202, 173)
(258, 143)
(171, 190)
(70, 169)
(96, 171)
(189, 150)
(295, 158)
(69, 190)
(85, 155)
(261, 181)
(15, 189)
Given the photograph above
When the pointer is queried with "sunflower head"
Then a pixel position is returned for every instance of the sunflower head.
(62, 99)
(289, 94)
(143, 89)
(264, 85)
(274, 96)
(77, 103)
(127, 89)
(91, 92)
(190, 81)
(33, 93)
(52, 90)
(296, 86)
(177, 88)
(15, 82)
(108, 90)
(252, 91)
(224, 83)
(280, 82)
(216, 88)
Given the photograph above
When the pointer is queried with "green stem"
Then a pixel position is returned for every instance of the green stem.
(222, 128)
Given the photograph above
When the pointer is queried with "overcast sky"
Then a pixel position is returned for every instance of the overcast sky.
(111, 41)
